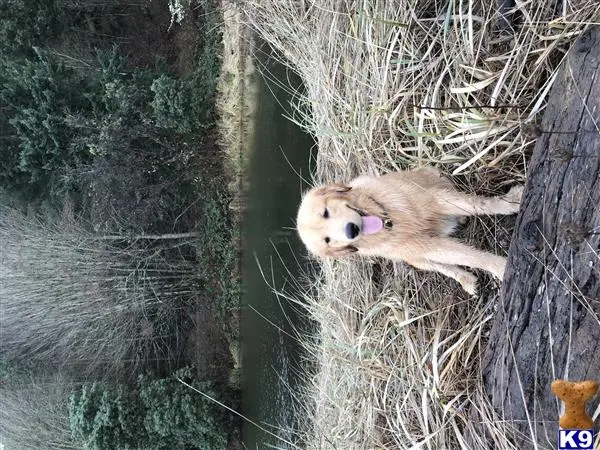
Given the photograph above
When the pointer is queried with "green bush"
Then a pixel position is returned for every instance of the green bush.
(217, 254)
(102, 418)
(123, 92)
(176, 416)
(184, 106)
(62, 112)
(158, 414)
(187, 105)
(171, 104)
(26, 23)
(37, 94)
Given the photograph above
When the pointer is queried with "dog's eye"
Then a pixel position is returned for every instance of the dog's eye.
(326, 213)
(327, 240)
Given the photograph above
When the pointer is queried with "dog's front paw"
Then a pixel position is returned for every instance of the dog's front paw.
(498, 267)
(468, 281)
(514, 196)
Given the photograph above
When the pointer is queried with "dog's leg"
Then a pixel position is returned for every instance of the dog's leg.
(455, 203)
(466, 279)
(451, 252)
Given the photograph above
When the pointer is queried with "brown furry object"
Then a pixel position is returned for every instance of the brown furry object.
(406, 216)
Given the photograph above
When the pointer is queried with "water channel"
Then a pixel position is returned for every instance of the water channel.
(270, 354)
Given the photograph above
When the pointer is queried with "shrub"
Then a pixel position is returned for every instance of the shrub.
(217, 251)
(157, 414)
(37, 92)
(62, 113)
(188, 105)
(176, 416)
(171, 104)
(104, 418)
(184, 105)
(123, 92)
(26, 23)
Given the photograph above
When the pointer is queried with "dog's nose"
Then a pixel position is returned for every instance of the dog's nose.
(352, 230)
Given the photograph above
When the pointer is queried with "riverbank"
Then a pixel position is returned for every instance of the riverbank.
(236, 100)
(234, 104)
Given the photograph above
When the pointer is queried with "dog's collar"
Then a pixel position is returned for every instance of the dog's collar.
(385, 217)
(387, 222)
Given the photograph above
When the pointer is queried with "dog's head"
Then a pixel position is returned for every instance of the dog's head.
(329, 222)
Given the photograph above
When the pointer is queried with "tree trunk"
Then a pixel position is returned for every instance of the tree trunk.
(548, 321)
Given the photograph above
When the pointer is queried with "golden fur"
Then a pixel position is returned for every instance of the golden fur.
(420, 209)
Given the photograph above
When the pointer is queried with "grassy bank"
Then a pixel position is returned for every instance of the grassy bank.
(235, 106)
(392, 85)
(236, 98)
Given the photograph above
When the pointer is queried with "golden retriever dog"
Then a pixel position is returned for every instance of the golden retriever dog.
(407, 216)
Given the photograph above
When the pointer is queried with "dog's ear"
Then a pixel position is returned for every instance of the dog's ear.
(334, 188)
(338, 252)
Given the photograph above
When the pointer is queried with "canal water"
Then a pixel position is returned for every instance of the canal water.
(270, 354)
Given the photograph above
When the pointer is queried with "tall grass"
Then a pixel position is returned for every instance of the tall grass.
(74, 300)
(397, 84)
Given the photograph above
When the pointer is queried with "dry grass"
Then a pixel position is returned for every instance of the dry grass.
(396, 84)
(35, 414)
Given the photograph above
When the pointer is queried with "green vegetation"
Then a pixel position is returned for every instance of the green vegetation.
(156, 414)
(215, 244)
(118, 245)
